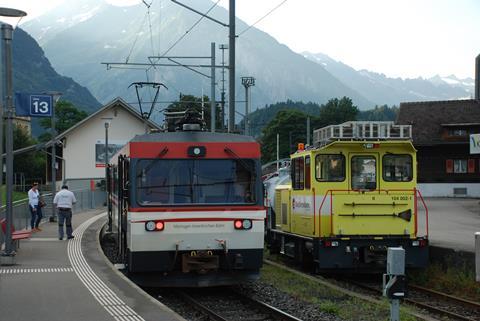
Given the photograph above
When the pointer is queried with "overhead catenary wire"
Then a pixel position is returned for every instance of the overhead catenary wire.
(263, 17)
(190, 29)
(136, 38)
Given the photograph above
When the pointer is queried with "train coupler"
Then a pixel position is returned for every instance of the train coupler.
(200, 262)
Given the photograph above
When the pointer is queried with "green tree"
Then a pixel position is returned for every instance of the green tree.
(194, 103)
(31, 164)
(337, 111)
(291, 126)
(66, 115)
(379, 113)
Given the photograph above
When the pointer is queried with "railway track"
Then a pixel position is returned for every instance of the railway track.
(437, 303)
(433, 301)
(228, 305)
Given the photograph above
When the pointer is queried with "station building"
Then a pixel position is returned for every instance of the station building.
(441, 134)
(81, 151)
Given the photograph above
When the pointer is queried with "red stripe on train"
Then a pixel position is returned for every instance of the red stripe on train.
(179, 150)
(198, 219)
(197, 209)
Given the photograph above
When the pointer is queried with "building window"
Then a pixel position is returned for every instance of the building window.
(364, 172)
(330, 168)
(457, 132)
(459, 166)
(397, 168)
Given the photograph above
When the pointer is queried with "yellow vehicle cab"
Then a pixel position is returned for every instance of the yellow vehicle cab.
(352, 195)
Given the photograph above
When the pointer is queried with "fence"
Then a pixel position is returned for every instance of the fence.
(86, 199)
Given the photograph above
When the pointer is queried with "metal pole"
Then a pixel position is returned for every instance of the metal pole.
(2, 121)
(278, 151)
(223, 47)
(395, 310)
(246, 110)
(53, 167)
(477, 256)
(7, 33)
(212, 94)
(231, 62)
(308, 130)
(107, 183)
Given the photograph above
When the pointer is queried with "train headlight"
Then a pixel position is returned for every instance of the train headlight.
(242, 224)
(247, 224)
(150, 226)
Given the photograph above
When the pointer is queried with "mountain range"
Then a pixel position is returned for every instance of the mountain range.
(381, 89)
(78, 36)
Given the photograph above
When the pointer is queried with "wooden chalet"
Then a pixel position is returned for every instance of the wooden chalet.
(441, 133)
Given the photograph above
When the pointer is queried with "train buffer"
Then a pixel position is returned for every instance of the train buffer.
(71, 280)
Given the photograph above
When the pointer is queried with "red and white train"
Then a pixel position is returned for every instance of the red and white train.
(187, 208)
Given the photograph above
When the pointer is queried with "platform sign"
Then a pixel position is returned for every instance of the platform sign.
(33, 105)
(475, 144)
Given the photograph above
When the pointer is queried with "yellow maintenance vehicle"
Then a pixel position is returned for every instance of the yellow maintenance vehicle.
(352, 195)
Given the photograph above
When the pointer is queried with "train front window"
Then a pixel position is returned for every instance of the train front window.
(364, 172)
(397, 168)
(199, 181)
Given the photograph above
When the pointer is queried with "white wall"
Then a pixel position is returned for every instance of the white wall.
(79, 150)
(446, 189)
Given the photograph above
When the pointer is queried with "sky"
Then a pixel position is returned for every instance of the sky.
(400, 38)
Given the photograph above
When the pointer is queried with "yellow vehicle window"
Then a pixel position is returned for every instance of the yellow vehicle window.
(364, 172)
(330, 168)
(397, 168)
(297, 172)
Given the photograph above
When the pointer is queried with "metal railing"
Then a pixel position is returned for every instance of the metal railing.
(86, 200)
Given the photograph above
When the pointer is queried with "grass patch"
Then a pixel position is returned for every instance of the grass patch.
(17, 196)
(450, 279)
(326, 299)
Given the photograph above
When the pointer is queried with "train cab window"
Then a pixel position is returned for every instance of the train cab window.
(298, 173)
(364, 172)
(202, 181)
(330, 168)
(307, 172)
(397, 168)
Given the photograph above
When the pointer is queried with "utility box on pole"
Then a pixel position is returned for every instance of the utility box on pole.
(394, 285)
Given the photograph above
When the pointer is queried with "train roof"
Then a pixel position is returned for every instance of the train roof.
(192, 136)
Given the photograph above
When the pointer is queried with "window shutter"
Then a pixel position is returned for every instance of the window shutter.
(449, 166)
(471, 166)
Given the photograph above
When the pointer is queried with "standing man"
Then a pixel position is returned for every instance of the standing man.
(64, 201)
(35, 208)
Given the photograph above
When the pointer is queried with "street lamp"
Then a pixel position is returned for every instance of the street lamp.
(8, 255)
(247, 82)
(107, 187)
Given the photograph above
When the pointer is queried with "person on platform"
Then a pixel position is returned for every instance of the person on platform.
(64, 201)
(35, 208)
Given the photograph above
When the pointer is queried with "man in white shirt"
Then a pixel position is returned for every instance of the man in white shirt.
(35, 208)
(64, 201)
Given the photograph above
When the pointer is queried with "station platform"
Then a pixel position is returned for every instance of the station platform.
(72, 280)
(452, 222)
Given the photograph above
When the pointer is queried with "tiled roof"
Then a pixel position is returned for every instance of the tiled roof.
(427, 117)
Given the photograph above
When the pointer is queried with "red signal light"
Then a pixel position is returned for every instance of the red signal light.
(159, 226)
(238, 224)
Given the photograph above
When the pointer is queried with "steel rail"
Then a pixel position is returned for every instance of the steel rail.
(256, 306)
(422, 305)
